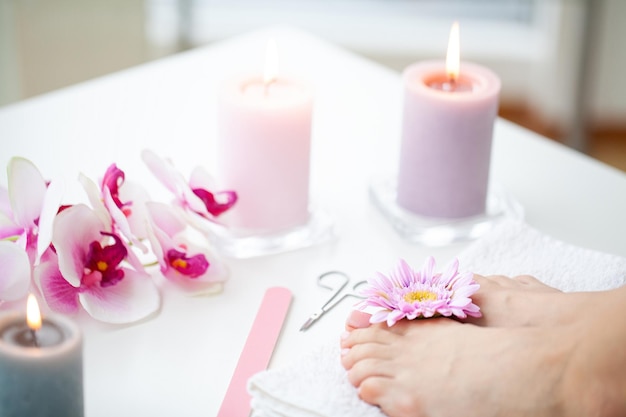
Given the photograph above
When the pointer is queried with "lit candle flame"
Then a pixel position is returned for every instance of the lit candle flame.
(33, 315)
(453, 56)
(271, 63)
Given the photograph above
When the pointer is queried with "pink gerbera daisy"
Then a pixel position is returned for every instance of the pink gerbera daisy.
(412, 294)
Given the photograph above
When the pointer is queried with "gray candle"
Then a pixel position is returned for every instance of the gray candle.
(41, 371)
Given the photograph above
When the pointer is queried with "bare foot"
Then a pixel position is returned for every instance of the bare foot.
(519, 301)
(440, 367)
(513, 302)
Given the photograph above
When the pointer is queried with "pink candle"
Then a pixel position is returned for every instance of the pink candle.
(264, 145)
(446, 138)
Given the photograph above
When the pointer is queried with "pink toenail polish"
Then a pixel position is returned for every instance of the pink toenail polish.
(344, 351)
(344, 335)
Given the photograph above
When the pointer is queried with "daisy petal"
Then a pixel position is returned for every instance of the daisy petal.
(406, 293)
(379, 316)
(450, 272)
(405, 274)
(394, 317)
(427, 269)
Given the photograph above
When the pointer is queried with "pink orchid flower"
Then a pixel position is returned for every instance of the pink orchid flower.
(89, 270)
(127, 217)
(125, 198)
(190, 268)
(27, 209)
(33, 204)
(193, 195)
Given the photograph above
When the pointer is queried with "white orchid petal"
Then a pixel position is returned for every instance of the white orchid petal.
(200, 178)
(210, 282)
(139, 197)
(194, 202)
(59, 294)
(93, 194)
(27, 188)
(74, 229)
(132, 299)
(8, 228)
(163, 171)
(155, 243)
(5, 202)
(52, 201)
(15, 276)
(120, 220)
(166, 218)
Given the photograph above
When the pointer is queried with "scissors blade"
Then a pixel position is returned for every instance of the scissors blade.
(312, 319)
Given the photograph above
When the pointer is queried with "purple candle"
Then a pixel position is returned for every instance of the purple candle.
(446, 136)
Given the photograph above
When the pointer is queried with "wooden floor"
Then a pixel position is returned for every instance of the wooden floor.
(610, 148)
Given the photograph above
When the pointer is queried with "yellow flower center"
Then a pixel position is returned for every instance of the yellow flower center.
(179, 263)
(420, 296)
(102, 266)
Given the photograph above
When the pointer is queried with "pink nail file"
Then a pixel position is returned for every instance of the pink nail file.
(257, 351)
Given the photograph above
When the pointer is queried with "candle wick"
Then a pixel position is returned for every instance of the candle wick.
(267, 85)
(35, 339)
(451, 84)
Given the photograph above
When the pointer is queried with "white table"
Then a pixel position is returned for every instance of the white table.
(180, 362)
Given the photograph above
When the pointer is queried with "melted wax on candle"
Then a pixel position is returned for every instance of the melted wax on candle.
(19, 334)
(443, 83)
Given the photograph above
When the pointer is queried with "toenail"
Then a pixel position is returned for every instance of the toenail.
(344, 335)
(345, 351)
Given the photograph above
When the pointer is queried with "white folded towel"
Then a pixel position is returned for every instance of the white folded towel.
(316, 384)
(514, 248)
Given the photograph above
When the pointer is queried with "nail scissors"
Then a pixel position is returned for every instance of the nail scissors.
(337, 288)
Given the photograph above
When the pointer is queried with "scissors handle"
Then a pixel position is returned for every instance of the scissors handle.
(329, 303)
(335, 298)
(353, 292)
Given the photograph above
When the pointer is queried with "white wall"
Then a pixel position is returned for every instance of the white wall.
(539, 63)
(49, 44)
(46, 44)
(10, 78)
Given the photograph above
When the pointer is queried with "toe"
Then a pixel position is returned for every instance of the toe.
(373, 389)
(364, 351)
(368, 368)
(358, 320)
(372, 334)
